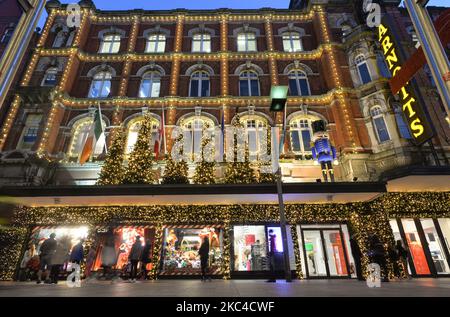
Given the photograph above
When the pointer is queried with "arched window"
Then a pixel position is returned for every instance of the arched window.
(193, 132)
(199, 84)
(201, 43)
(363, 69)
(50, 77)
(379, 124)
(101, 85)
(80, 133)
(246, 42)
(298, 83)
(248, 83)
(301, 133)
(256, 129)
(60, 39)
(150, 85)
(133, 132)
(156, 43)
(110, 44)
(382, 66)
(292, 42)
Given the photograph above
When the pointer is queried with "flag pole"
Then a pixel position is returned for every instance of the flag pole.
(101, 123)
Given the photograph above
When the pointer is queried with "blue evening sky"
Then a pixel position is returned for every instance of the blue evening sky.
(196, 4)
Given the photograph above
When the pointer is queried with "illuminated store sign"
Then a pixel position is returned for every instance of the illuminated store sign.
(413, 113)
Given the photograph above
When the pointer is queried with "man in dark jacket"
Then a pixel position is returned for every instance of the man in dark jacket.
(77, 254)
(134, 257)
(47, 251)
(204, 257)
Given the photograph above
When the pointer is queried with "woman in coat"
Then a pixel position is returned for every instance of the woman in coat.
(204, 257)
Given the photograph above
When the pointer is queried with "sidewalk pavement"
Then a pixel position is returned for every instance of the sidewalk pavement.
(426, 287)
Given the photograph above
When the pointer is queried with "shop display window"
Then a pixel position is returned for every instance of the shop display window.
(325, 250)
(250, 248)
(112, 246)
(181, 246)
(415, 247)
(436, 246)
(444, 223)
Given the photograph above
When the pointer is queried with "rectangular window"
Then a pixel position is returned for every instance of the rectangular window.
(364, 73)
(306, 136)
(180, 250)
(255, 87)
(295, 139)
(250, 248)
(415, 247)
(30, 132)
(205, 88)
(293, 87)
(402, 126)
(156, 44)
(436, 246)
(382, 132)
(243, 84)
(194, 88)
(304, 87)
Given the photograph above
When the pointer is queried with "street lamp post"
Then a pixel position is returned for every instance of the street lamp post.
(279, 98)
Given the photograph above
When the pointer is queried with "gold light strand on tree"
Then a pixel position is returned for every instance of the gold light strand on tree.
(157, 250)
(112, 172)
(298, 258)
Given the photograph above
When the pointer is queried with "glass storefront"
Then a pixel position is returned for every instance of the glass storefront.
(427, 242)
(180, 250)
(325, 251)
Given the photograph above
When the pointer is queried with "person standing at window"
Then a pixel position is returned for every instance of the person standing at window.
(134, 257)
(47, 251)
(204, 257)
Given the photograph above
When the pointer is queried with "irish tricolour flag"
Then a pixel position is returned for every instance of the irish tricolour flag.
(94, 134)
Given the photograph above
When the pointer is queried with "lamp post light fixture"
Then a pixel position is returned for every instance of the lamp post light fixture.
(278, 95)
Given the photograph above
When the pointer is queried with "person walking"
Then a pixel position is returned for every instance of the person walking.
(403, 257)
(109, 257)
(204, 257)
(59, 258)
(356, 252)
(271, 255)
(47, 251)
(134, 257)
(146, 257)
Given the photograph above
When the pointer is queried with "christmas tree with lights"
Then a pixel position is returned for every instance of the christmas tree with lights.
(239, 172)
(176, 172)
(112, 172)
(140, 161)
(204, 171)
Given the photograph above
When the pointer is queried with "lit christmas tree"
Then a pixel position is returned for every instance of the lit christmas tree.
(239, 172)
(112, 172)
(204, 171)
(140, 162)
(176, 172)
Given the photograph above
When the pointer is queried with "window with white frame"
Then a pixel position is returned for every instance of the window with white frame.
(150, 85)
(298, 83)
(201, 43)
(292, 42)
(199, 84)
(379, 124)
(133, 133)
(246, 42)
(29, 132)
(193, 132)
(156, 43)
(110, 44)
(256, 130)
(50, 77)
(80, 133)
(60, 38)
(363, 69)
(101, 85)
(301, 133)
(248, 83)
(401, 123)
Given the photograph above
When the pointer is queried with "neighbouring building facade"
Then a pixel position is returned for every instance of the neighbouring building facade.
(203, 68)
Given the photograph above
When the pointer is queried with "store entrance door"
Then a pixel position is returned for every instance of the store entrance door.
(325, 253)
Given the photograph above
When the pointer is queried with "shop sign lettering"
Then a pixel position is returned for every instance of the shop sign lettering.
(412, 110)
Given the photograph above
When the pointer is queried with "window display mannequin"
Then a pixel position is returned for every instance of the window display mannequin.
(322, 150)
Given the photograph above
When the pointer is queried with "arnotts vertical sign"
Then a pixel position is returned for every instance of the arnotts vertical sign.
(418, 124)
